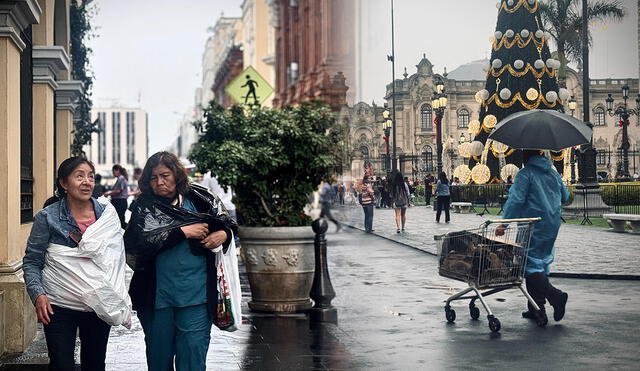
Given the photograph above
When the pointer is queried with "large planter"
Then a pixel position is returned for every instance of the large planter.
(280, 264)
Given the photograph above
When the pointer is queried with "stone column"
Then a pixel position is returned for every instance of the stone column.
(17, 318)
(48, 63)
(66, 97)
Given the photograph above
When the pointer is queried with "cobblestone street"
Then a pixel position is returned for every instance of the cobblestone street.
(579, 249)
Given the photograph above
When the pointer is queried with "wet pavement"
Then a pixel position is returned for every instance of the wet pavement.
(390, 302)
(580, 250)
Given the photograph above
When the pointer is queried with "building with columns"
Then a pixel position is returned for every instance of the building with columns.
(416, 135)
(37, 107)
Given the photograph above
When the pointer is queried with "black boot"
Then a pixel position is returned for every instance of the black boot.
(536, 287)
(558, 300)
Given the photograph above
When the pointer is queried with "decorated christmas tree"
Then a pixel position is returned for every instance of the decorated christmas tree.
(521, 75)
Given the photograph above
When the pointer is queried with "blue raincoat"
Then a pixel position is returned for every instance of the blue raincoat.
(538, 191)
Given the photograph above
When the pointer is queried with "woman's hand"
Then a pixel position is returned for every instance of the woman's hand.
(197, 231)
(214, 240)
(43, 309)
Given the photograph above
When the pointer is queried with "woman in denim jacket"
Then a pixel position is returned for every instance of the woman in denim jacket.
(62, 222)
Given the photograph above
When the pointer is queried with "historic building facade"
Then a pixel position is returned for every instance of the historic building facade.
(37, 105)
(416, 134)
(314, 58)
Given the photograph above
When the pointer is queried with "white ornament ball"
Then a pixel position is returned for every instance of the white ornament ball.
(510, 2)
(551, 96)
(497, 63)
(531, 2)
(505, 94)
(557, 63)
(509, 33)
(476, 148)
(550, 63)
(518, 64)
(484, 93)
(564, 94)
(538, 64)
(498, 35)
(524, 33)
(539, 34)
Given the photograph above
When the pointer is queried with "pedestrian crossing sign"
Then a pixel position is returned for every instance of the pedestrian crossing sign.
(249, 88)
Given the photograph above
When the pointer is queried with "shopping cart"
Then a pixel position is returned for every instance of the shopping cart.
(492, 256)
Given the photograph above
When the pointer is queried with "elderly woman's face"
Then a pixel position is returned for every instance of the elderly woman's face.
(163, 181)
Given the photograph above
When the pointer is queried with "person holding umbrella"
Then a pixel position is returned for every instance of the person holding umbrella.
(538, 191)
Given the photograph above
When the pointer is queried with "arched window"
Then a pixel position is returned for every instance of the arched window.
(425, 117)
(365, 152)
(601, 157)
(427, 157)
(598, 116)
(463, 118)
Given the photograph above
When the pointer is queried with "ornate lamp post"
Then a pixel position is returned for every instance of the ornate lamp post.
(386, 125)
(439, 104)
(572, 107)
(392, 59)
(624, 112)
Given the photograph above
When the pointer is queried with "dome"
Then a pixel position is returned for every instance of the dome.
(470, 71)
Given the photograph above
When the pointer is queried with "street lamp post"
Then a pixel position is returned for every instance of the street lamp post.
(392, 58)
(386, 125)
(439, 104)
(624, 112)
(572, 107)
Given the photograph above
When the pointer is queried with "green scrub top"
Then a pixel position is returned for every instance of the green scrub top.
(181, 277)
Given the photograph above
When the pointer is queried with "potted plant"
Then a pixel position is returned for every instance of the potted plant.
(273, 159)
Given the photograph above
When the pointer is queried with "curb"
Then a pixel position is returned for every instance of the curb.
(584, 276)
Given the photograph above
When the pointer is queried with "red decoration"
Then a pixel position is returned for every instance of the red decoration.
(621, 123)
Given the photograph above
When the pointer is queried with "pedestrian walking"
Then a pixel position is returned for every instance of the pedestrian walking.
(173, 287)
(341, 191)
(538, 191)
(443, 197)
(326, 200)
(55, 236)
(400, 198)
(120, 192)
(428, 180)
(367, 200)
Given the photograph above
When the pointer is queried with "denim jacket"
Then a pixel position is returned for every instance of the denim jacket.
(442, 189)
(51, 225)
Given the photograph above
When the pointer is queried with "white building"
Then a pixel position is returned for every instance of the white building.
(123, 139)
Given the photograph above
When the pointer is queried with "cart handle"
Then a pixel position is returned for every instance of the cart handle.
(506, 221)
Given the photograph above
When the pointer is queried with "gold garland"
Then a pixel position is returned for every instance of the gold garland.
(506, 154)
(529, 68)
(518, 98)
(560, 157)
(517, 39)
(520, 3)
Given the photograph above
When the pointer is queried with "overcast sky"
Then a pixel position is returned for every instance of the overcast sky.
(152, 49)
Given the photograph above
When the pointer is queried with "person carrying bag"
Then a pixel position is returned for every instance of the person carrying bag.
(367, 199)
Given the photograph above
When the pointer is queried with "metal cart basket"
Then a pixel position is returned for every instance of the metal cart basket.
(492, 257)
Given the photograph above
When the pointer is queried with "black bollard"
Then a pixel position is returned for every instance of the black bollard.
(322, 291)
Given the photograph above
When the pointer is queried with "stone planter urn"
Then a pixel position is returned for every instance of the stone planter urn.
(280, 265)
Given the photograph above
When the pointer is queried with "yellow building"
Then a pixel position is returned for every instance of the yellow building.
(36, 118)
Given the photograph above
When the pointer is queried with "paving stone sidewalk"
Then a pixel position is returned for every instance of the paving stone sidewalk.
(580, 250)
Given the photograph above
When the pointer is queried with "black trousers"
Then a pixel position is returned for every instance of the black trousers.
(541, 290)
(442, 203)
(60, 334)
(120, 204)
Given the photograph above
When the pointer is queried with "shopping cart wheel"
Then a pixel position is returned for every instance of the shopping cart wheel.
(474, 312)
(541, 318)
(494, 324)
(450, 314)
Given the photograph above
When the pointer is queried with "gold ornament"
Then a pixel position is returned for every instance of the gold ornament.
(474, 127)
(478, 98)
(522, 43)
(480, 174)
(490, 121)
(464, 149)
(532, 94)
(531, 9)
(528, 68)
(509, 170)
(499, 147)
(518, 98)
(463, 173)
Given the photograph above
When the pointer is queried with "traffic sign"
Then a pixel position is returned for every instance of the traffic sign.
(249, 88)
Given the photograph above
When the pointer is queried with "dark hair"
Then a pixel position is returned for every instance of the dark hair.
(365, 179)
(443, 178)
(64, 171)
(169, 160)
(97, 178)
(527, 154)
(137, 171)
(397, 184)
(121, 170)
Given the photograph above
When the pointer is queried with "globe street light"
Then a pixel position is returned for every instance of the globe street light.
(386, 125)
(439, 104)
(624, 112)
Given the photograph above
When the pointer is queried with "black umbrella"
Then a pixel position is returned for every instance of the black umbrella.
(541, 129)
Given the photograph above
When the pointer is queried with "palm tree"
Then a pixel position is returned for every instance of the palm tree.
(563, 20)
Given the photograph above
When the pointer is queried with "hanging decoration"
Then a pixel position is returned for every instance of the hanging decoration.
(508, 170)
(474, 127)
(532, 94)
(476, 148)
(463, 173)
(490, 121)
(499, 147)
(464, 149)
(480, 174)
